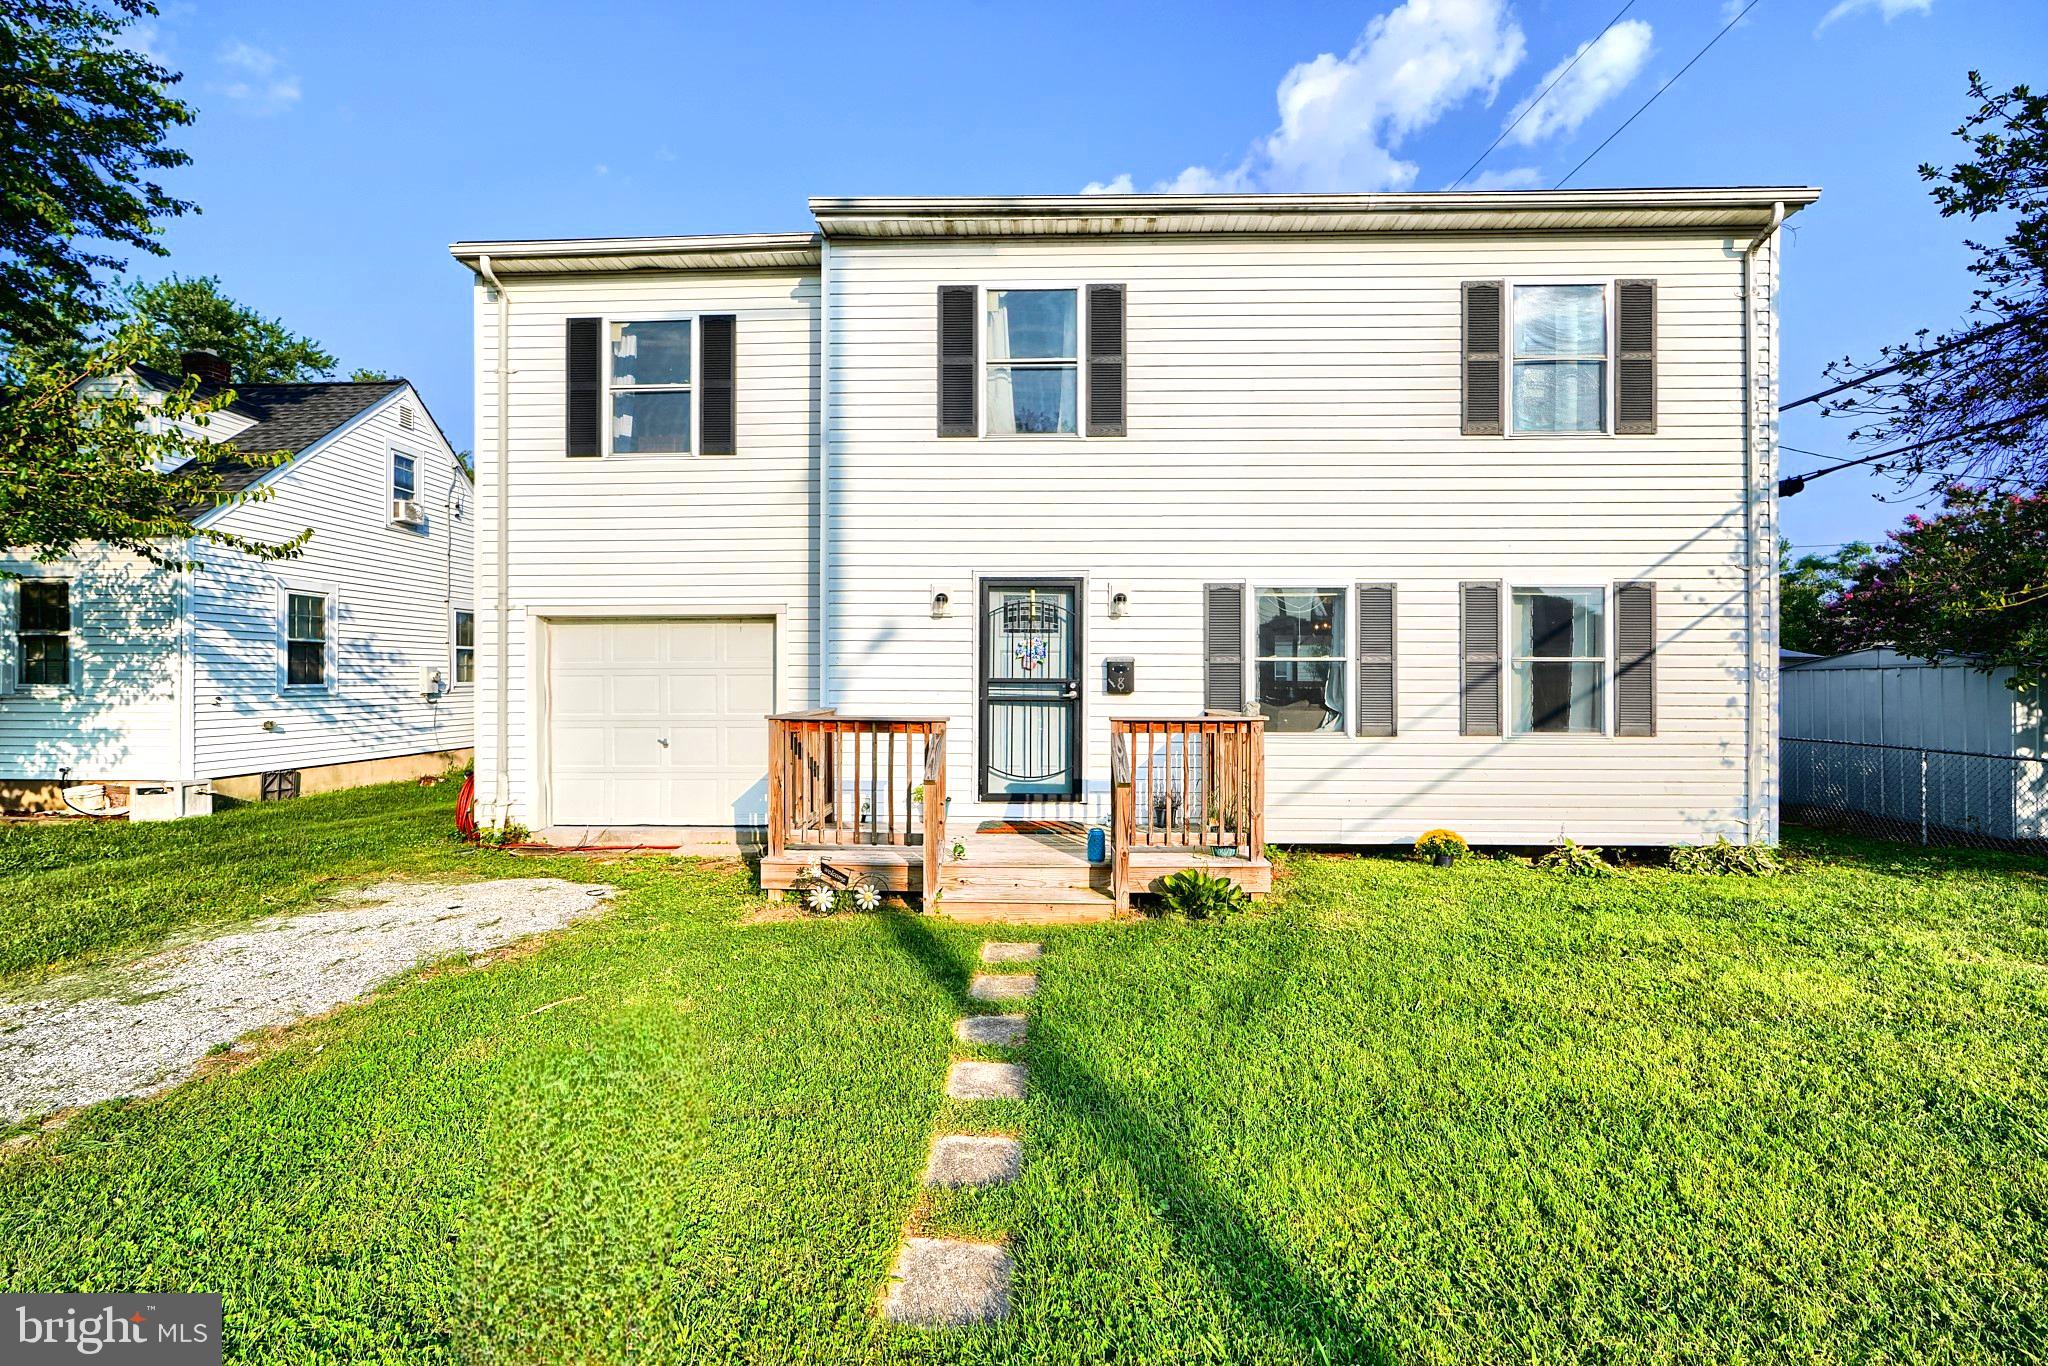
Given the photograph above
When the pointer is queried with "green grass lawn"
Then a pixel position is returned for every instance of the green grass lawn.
(1399, 1114)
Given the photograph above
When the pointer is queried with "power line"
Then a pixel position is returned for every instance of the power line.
(1659, 92)
(1530, 107)
(1793, 483)
(1869, 375)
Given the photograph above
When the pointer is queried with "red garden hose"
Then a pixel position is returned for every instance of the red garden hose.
(465, 808)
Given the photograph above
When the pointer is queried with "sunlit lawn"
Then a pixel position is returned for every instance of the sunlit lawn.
(1400, 1112)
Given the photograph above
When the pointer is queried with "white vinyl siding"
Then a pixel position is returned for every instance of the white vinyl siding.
(1294, 410)
(645, 536)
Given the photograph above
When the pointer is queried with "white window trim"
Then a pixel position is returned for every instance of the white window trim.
(982, 361)
(606, 415)
(332, 599)
(17, 657)
(1347, 613)
(1508, 356)
(392, 451)
(454, 675)
(1509, 658)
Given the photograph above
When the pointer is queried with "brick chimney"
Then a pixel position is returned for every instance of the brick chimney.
(209, 367)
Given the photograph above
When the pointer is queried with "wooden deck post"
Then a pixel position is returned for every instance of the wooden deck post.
(934, 811)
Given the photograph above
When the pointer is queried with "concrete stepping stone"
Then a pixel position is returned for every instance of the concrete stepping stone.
(1004, 1031)
(986, 1081)
(973, 1160)
(1011, 953)
(1006, 986)
(947, 1283)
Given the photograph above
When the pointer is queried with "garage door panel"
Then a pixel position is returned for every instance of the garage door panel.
(618, 689)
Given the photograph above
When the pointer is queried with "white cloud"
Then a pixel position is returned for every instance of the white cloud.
(1587, 79)
(1114, 185)
(1514, 178)
(1342, 119)
(264, 85)
(1890, 9)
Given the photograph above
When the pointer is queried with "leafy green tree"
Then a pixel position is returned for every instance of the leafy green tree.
(1805, 585)
(79, 464)
(363, 375)
(1972, 402)
(86, 120)
(176, 315)
(1971, 582)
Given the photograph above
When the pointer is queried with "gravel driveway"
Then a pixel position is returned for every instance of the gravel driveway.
(76, 1040)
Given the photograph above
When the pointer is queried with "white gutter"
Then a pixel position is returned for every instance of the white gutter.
(501, 778)
(1753, 662)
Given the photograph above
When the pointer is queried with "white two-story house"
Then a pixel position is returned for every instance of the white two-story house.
(350, 662)
(1322, 519)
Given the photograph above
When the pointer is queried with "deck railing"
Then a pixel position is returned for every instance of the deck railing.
(839, 782)
(1194, 783)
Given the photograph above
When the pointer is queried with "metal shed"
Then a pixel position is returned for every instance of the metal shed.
(1913, 745)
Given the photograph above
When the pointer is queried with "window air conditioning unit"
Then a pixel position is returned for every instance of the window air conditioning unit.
(406, 511)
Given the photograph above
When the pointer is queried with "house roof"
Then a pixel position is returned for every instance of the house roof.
(288, 418)
(1741, 209)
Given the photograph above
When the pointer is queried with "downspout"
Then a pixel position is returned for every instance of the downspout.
(1752, 586)
(823, 625)
(501, 779)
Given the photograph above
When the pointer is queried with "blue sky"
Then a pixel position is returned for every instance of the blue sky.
(339, 149)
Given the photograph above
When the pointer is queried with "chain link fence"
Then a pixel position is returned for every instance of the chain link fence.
(1924, 796)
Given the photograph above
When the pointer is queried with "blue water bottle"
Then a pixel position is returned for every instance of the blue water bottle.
(1098, 844)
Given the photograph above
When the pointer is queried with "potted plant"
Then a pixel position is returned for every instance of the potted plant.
(1441, 847)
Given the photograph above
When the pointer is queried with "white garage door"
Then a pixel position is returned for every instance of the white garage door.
(660, 722)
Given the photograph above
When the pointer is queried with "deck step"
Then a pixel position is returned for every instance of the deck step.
(1035, 912)
(1014, 879)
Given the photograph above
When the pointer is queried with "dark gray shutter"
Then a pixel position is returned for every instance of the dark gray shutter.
(717, 420)
(1635, 659)
(1635, 404)
(1105, 360)
(585, 380)
(1376, 659)
(1481, 348)
(956, 361)
(1223, 647)
(1479, 652)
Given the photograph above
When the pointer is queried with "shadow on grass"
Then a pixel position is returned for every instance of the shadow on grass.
(1206, 1222)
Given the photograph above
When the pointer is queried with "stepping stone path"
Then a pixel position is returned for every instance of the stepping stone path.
(973, 1160)
(1008, 986)
(950, 1282)
(946, 1283)
(986, 1081)
(1003, 1031)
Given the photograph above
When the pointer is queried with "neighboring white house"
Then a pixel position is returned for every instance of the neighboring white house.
(1470, 495)
(349, 663)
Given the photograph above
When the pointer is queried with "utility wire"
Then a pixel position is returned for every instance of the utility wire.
(1793, 483)
(1869, 375)
(1530, 107)
(1659, 93)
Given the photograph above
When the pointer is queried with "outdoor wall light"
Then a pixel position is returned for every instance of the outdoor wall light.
(941, 603)
(1119, 603)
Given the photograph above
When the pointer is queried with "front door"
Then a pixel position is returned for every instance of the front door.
(1030, 689)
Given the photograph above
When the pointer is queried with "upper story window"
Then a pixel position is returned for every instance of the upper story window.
(305, 640)
(1560, 358)
(1560, 661)
(404, 477)
(650, 387)
(1301, 659)
(44, 632)
(1033, 372)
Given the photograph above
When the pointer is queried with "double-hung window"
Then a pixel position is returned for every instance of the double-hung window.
(1560, 358)
(1033, 374)
(465, 646)
(305, 640)
(1560, 661)
(1299, 643)
(43, 632)
(404, 476)
(650, 381)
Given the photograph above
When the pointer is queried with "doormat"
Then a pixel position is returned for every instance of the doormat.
(1073, 828)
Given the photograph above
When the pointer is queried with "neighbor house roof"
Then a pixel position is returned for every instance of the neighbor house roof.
(288, 417)
(1745, 210)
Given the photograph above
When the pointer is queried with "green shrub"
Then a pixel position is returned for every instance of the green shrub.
(1434, 842)
(1573, 859)
(1202, 896)
(1724, 859)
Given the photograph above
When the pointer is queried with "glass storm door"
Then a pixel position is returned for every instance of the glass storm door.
(1030, 689)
